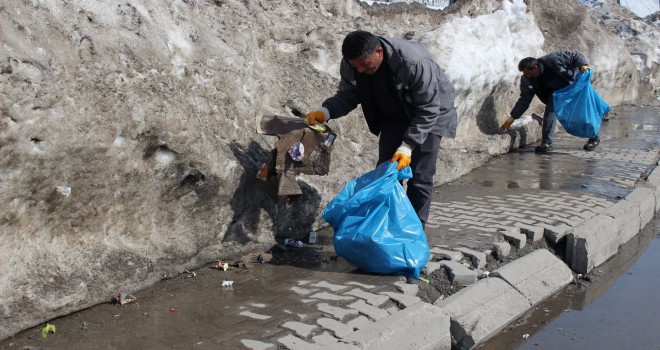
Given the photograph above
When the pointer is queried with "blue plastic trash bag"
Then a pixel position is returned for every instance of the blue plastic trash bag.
(578, 107)
(376, 227)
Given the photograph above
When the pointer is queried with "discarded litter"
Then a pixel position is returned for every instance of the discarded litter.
(124, 298)
(191, 274)
(292, 243)
(173, 309)
(525, 336)
(424, 280)
(297, 151)
(50, 328)
(312, 237)
(221, 266)
(226, 283)
(64, 190)
(262, 174)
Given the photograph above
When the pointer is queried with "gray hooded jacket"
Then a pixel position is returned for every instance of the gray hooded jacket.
(426, 94)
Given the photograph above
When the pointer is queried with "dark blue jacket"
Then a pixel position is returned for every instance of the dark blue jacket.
(558, 70)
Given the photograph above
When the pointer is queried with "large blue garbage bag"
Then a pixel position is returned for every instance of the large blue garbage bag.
(578, 107)
(376, 227)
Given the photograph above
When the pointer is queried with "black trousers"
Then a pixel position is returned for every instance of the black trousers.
(423, 164)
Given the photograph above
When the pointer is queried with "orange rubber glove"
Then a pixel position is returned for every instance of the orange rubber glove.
(320, 115)
(583, 68)
(507, 124)
(402, 156)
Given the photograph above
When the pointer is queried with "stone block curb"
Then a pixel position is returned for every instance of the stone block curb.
(626, 216)
(646, 199)
(536, 275)
(592, 243)
(482, 309)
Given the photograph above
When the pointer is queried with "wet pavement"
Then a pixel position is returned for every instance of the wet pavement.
(296, 306)
(616, 309)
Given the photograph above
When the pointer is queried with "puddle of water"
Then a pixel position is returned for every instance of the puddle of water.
(618, 310)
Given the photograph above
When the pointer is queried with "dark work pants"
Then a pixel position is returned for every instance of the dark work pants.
(549, 122)
(423, 165)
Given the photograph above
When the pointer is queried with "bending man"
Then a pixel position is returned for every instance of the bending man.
(541, 77)
(407, 101)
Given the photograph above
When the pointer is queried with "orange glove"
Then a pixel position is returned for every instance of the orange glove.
(507, 124)
(402, 156)
(320, 115)
(583, 68)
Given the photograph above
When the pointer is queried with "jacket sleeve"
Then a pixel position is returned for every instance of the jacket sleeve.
(567, 63)
(346, 98)
(431, 95)
(525, 99)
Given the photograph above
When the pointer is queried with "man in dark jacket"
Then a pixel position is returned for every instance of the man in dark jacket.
(542, 77)
(407, 101)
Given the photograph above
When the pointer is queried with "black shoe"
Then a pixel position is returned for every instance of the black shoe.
(543, 148)
(592, 143)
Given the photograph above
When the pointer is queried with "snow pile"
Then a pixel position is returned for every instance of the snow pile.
(641, 8)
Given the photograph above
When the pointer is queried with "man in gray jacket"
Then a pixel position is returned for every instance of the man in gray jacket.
(542, 77)
(407, 101)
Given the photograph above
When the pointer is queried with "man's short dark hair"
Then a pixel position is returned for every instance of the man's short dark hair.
(527, 63)
(359, 43)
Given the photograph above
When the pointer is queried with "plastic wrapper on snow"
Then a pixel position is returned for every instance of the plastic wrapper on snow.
(579, 108)
(376, 227)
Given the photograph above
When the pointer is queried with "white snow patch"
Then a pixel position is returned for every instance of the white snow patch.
(641, 8)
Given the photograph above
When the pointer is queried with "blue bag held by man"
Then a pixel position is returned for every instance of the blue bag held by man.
(578, 107)
(376, 227)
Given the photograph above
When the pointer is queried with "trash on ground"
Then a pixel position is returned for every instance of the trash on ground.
(191, 274)
(424, 280)
(226, 283)
(292, 243)
(297, 151)
(64, 190)
(124, 298)
(312, 237)
(174, 309)
(318, 127)
(50, 328)
(525, 336)
(248, 260)
(220, 266)
(262, 174)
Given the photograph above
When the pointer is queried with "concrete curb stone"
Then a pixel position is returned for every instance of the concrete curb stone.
(480, 310)
(653, 181)
(646, 199)
(592, 243)
(536, 275)
(626, 216)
